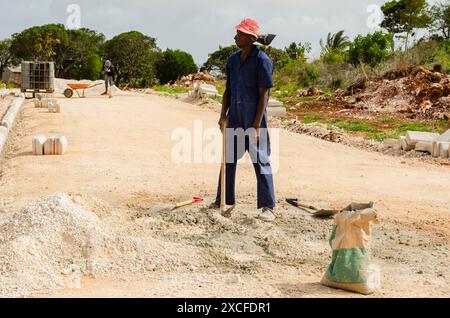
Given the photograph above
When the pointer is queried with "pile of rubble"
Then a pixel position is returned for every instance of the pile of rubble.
(201, 77)
(432, 143)
(421, 93)
(313, 91)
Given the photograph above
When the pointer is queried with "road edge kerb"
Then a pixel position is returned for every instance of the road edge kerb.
(9, 119)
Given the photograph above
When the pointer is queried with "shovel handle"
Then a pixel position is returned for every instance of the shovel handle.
(179, 205)
(193, 200)
(223, 168)
(307, 206)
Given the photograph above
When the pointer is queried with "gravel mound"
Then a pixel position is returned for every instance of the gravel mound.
(50, 243)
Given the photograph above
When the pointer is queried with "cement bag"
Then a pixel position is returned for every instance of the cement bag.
(350, 240)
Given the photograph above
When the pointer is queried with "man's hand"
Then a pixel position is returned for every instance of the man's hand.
(223, 121)
(256, 126)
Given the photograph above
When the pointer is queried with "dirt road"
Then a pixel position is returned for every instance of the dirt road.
(120, 153)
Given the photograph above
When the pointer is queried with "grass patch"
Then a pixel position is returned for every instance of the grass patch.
(377, 129)
(357, 126)
(397, 128)
(170, 90)
(312, 117)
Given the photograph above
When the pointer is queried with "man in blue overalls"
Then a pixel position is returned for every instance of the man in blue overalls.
(249, 79)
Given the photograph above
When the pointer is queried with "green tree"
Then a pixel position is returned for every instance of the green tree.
(42, 43)
(279, 57)
(217, 61)
(334, 49)
(134, 54)
(298, 50)
(335, 42)
(440, 14)
(173, 65)
(82, 54)
(404, 16)
(370, 49)
(6, 57)
(73, 51)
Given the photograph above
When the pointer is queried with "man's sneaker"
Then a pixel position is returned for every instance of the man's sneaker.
(267, 215)
(214, 206)
(104, 93)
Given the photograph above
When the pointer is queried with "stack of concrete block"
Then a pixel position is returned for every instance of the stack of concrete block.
(54, 145)
(275, 108)
(424, 139)
(49, 103)
(204, 90)
(433, 143)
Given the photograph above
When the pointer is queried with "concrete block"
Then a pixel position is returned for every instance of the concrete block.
(406, 146)
(205, 90)
(54, 107)
(274, 103)
(37, 103)
(398, 145)
(49, 146)
(413, 137)
(390, 143)
(435, 149)
(3, 137)
(8, 120)
(425, 146)
(444, 149)
(10, 117)
(276, 111)
(444, 137)
(61, 145)
(37, 145)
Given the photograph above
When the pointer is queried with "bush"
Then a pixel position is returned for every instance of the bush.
(173, 65)
(333, 56)
(297, 72)
(443, 56)
(371, 49)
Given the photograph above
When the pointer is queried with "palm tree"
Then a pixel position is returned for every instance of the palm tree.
(337, 41)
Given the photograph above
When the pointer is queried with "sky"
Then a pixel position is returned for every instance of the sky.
(198, 26)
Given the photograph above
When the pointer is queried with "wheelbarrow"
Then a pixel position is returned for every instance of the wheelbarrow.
(68, 92)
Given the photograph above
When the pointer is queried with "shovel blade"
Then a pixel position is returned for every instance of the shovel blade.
(325, 213)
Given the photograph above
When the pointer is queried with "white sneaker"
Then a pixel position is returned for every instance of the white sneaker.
(267, 215)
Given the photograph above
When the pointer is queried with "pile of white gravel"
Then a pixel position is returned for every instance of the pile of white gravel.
(50, 243)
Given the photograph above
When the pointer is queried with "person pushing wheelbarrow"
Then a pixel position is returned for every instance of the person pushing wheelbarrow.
(249, 79)
(110, 73)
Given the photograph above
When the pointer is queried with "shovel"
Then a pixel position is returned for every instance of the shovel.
(319, 213)
(223, 207)
(170, 207)
(266, 39)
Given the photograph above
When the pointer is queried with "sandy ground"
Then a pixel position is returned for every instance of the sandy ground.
(120, 153)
